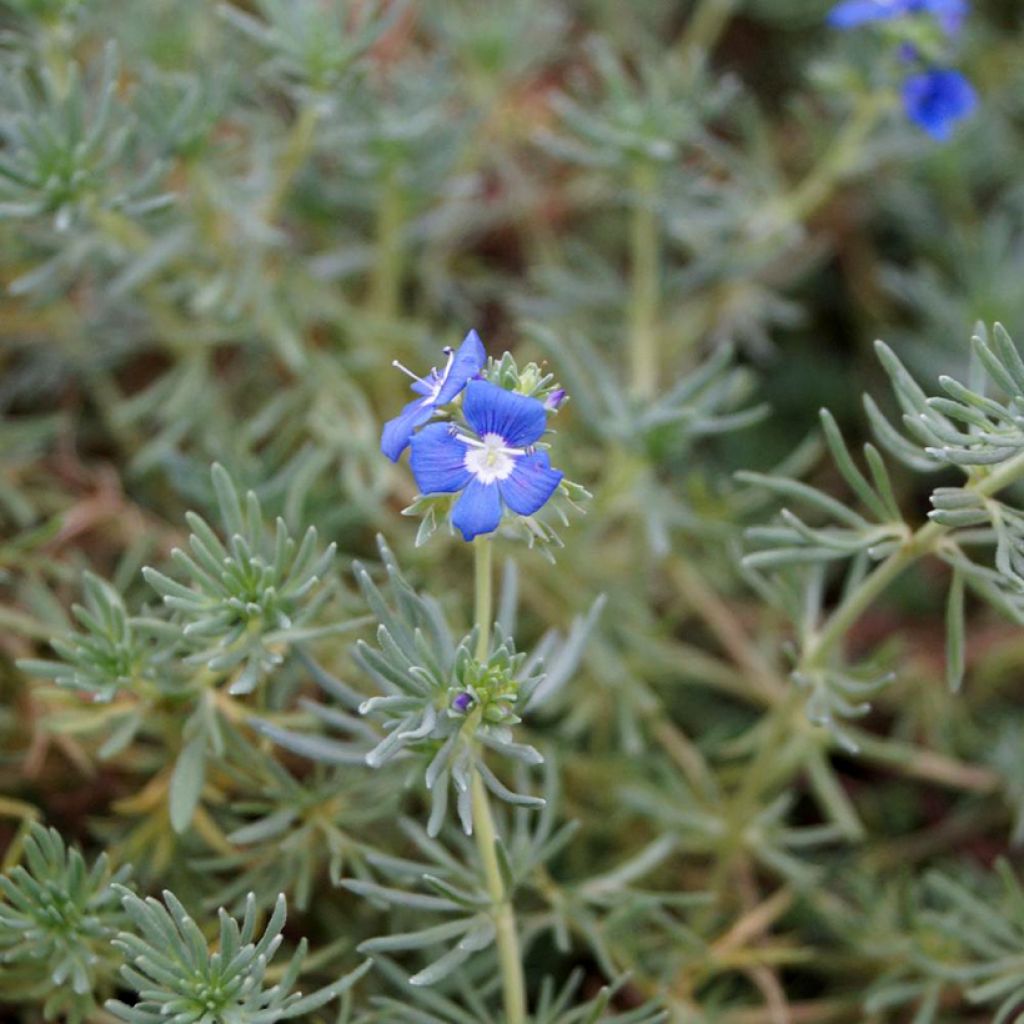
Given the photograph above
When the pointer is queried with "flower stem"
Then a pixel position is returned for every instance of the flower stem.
(644, 283)
(512, 981)
(483, 549)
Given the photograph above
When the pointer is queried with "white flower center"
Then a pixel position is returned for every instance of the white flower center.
(489, 459)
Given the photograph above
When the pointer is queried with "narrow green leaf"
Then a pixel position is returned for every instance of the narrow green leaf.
(955, 629)
(187, 782)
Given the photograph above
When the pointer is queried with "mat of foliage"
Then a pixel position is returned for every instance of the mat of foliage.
(737, 737)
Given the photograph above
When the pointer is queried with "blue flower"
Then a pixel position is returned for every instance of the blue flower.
(936, 99)
(853, 13)
(494, 467)
(438, 388)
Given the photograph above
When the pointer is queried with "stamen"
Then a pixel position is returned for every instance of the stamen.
(405, 369)
(488, 443)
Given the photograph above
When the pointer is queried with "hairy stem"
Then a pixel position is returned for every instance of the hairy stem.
(512, 982)
(483, 549)
(644, 283)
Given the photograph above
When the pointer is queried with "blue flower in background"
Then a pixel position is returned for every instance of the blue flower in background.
(494, 467)
(438, 388)
(937, 99)
(853, 13)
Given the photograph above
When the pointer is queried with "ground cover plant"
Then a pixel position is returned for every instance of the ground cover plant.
(465, 556)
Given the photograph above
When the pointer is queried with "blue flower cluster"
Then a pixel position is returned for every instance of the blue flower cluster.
(485, 453)
(937, 98)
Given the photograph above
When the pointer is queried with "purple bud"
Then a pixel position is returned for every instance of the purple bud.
(462, 701)
(554, 400)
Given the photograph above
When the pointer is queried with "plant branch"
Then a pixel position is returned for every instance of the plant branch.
(644, 282)
(923, 541)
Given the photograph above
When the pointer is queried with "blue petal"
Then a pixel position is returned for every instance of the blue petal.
(468, 362)
(517, 419)
(438, 460)
(937, 99)
(395, 436)
(530, 484)
(478, 510)
(950, 13)
(852, 13)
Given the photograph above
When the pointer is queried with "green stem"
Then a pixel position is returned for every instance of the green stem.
(644, 283)
(56, 47)
(386, 282)
(837, 161)
(510, 963)
(506, 937)
(296, 149)
(483, 549)
(918, 544)
(706, 27)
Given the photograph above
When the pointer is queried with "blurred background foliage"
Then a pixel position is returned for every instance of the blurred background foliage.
(220, 223)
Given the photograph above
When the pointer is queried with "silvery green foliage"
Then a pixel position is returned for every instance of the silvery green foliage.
(57, 920)
(967, 935)
(498, 42)
(289, 833)
(697, 822)
(704, 403)
(467, 1004)
(178, 978)
(711, 401)
(112, 651)
(67, 930)
(61, 143)
(642, 114)
(247, 600)
(441, 891)
(310, 44)
(46, 10)
(437, 704)
(71, 163)
(978, 428)
(979, 274)
(349, 179)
